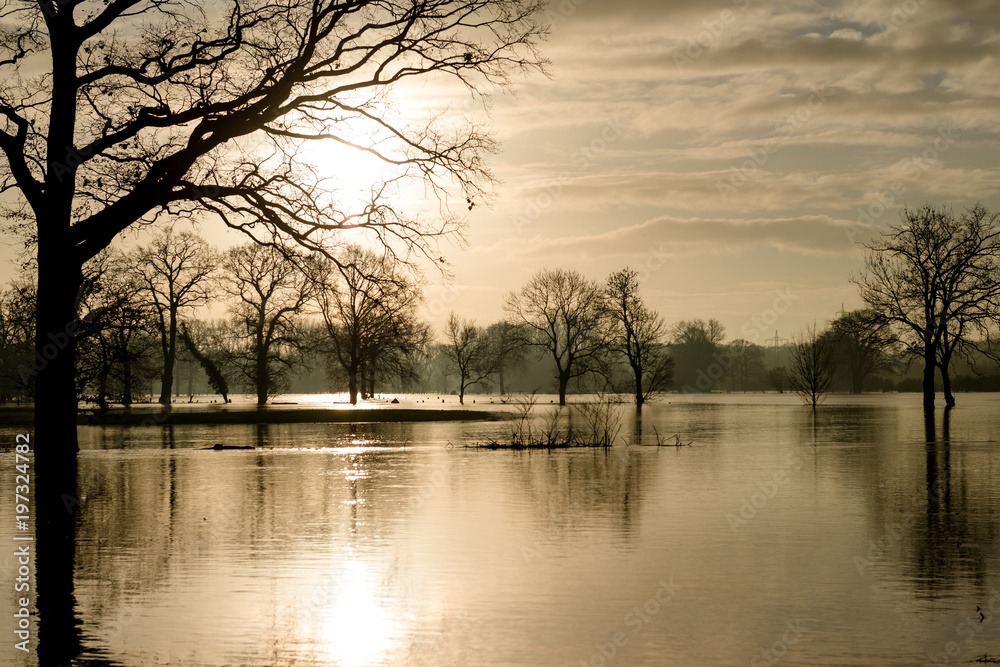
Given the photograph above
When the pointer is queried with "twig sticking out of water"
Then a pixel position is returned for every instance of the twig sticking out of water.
(660, 442)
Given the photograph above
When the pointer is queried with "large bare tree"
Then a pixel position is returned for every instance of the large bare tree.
(363, 302)
(936, 277)
(116, 112)
(562, 312)
(269, 291)
(176, 270)
(637, 334)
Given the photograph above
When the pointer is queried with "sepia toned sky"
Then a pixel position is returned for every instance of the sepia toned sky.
(735, 149)
(735, 152)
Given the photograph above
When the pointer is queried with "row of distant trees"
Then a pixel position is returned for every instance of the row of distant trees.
(930, 285)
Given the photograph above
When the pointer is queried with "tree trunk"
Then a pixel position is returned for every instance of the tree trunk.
(262, 376)
(563, 382)
(169, 356)
(857, 381)
(127, 379)
(949, 398)
(639, 398)
(54, 449)
(363, 371)
(928, 385)
(352, 381)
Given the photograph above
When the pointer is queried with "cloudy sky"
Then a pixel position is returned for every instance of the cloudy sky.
(735, 152)
(736, 149)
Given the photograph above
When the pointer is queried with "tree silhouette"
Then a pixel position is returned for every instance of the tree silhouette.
(937, 279)
(467, 351)
(366, 303)
(269, 292)
(176, 270)
(812, 367)
(562, 312)
(636, 333)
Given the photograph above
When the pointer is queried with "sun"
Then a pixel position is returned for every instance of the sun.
(352, 173)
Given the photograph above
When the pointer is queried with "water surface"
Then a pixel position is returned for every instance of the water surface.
(858, 535)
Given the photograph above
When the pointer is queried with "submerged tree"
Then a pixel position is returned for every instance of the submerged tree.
(176, 270)
(562, 313)
(937, 279)
(812, 366)
(115, 112)
(637, 334)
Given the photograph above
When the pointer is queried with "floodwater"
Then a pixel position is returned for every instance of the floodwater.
(858, 535)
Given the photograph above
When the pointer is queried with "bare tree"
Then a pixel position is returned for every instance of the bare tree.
(468, 353)
(936, 277)
(269, 292)
(637, 334)
(176, 270)
(812, 366)
(17, 339)
(508, 345)
(212, 367)
(861, 341)
(364, 301)
(115, 340)
(562, 311)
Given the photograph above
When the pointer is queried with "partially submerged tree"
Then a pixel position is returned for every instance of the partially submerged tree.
(176, 270)
(937, 279)
(468, 354)
(562, 311)
(637, 334)
(269, 293)
(812, 367)
(116, 112)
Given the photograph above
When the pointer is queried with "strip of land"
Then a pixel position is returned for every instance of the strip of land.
(20, 416)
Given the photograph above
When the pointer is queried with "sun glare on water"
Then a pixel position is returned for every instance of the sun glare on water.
(356, 629)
